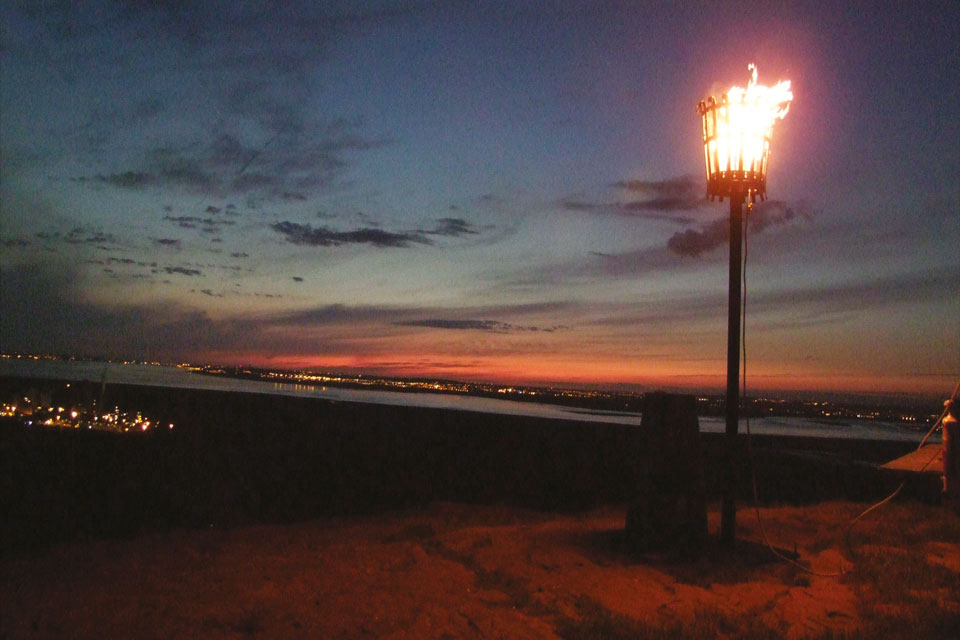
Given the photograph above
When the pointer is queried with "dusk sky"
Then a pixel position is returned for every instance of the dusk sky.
(506, 191)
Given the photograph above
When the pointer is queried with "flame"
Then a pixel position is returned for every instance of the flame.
(745, 119)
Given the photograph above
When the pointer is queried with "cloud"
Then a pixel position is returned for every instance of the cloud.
(857, 296)
(304, 234)
(209, 225)
(178, 169)
(44, 311)
(693, 243)
(776, 212)
(674, 194)
(127, 179)
(80, 235)
(340, 313)
(297, 159)
(184, 222)
(166, 242)
(128, 261)
(473, 325)
(183, 271)
(251, 122)
(297, 278)
(627, 209)
(451, 227)
(652, 200)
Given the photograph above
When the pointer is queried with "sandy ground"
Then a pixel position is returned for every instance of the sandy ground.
(446, 571)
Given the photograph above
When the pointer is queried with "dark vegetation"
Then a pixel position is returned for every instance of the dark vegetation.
(237, 458)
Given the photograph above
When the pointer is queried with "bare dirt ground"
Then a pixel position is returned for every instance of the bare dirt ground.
(457, 571)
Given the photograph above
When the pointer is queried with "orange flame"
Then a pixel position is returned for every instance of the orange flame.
(745, 122)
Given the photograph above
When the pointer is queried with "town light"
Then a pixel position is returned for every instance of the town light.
(736, 150)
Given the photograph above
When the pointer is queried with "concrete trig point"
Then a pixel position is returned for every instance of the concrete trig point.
(668, 508)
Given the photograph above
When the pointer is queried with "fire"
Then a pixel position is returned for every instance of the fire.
(737, 133)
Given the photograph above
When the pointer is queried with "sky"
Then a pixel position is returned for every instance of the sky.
(498, 191)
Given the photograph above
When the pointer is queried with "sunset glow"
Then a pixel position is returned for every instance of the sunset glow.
(506, 191)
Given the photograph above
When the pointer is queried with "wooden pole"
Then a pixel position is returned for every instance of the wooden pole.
(728, 511)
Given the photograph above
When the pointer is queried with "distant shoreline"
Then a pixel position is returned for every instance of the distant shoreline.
(767, 415)
(251, 457)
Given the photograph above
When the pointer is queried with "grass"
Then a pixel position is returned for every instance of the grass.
(902, 594)
(416, 531)
(596, 622)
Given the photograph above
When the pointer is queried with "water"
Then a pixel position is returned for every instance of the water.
(164, 376)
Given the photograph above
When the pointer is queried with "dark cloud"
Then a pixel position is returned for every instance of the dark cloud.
(77, 235)
(683, 192)
(440, 323)
(295, 161)
(856, 296)
(127, 179)
(212, 209)
(339, 313)
(629, 209)
(451, 227)
(166, 242)
(183, 171)
(184, 222)
(473, 325)
(680, 188)
(252, 181)
(304, 234)
(129, 262)
(693, 243)
(663, 204)
(660, 200)
(776, 212)
(183, 271)
(44, 312)
(218, 222)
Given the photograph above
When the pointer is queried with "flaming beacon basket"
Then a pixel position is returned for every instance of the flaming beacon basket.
(736, 137)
